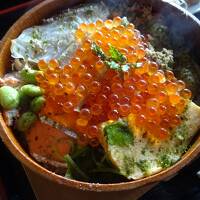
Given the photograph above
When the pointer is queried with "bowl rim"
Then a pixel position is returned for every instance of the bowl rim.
(12, 144)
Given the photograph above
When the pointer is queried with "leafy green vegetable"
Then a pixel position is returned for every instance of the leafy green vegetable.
(68, 173)
(93, 164)
(78, 151)
(116, 55)
(98, 51)
(116, 61)
(118, 134)
(73, 169)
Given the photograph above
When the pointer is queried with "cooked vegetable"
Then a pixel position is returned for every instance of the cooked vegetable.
(25, 121)
(31, 90)
(9, 97)
(28, 75)
(37, 103)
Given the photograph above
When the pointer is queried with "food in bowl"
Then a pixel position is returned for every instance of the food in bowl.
(96, 100)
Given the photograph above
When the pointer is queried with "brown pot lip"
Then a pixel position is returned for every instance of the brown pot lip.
(24, 158)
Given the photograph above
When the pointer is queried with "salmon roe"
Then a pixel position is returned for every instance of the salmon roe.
(86, 92)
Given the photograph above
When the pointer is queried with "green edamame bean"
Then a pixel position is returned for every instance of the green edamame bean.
(9, 97)
(28, 75)
(37, 103)
(24, 101)
(31, 90)
(25, 121)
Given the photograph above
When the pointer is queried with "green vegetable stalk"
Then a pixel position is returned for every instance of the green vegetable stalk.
(73, 167)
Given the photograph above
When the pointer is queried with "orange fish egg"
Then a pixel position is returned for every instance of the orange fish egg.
(113, 115)
(89, 91)
(42, 65)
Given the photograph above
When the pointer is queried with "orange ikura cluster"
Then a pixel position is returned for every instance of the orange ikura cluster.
(86, 92)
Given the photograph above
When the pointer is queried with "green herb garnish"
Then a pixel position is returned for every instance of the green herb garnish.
(144, 165)
(98, 51)
(116, 55)
(181, 132)
(165, 161)
(143, 152)
(36, 34)
(116, 60)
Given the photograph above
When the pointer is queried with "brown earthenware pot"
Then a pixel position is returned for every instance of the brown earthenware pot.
(75, 189)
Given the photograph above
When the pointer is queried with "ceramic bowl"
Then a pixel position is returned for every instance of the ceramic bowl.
(176, 16)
